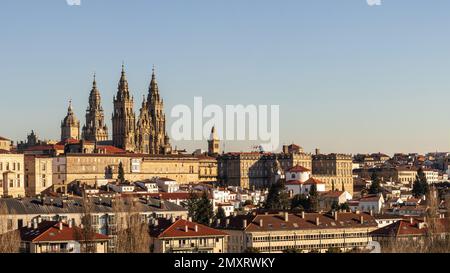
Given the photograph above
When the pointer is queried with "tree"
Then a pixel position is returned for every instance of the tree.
(220, 215)
(277, 198)
(204, 210)
(345, 206)
(420, 186)
(292, 250)
(335, 206)
(375, 187)
(334, 250)
(313, 198)
(132, 233)
(121, 176)
(86, 233)
(192, 202)
(299, 201)
(9, 239)
(251, 250)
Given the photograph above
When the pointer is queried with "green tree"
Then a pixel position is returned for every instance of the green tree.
(313, 198)
(277, 198)
(375, 187)
(121, 175)
(334, 250)
(292, 250)
(299, 201)
(220, 215)
(345, 206)
(204, 210)
(192, 203)
(420, 186)
(251, 250)
(335, 206)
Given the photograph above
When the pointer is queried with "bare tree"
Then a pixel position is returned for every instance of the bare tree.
(86, 233)
(9, 239)
(132, 234)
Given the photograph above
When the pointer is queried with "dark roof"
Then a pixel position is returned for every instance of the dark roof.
(75, 205)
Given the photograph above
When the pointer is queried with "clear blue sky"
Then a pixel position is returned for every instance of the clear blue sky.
(348, 77)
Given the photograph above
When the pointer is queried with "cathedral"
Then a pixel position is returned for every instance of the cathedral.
(145, 134)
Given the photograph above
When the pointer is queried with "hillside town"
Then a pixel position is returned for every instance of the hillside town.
(135, 193)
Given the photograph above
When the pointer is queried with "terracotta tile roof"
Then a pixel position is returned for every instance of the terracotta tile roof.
(331, 194)
(369, 199)
(4, 139)
(48, 231)
(167, 229)
(294, 182)
(412, 227)
(111, 149)
(5, 152)
(313, 180)
(298, 169)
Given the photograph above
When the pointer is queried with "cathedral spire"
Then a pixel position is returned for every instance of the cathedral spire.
(153, 90)
(123, 84)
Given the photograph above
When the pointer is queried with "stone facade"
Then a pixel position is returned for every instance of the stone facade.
(38, 174)
(256, 169)
(89, 168)
(11, 175)
(335, 170)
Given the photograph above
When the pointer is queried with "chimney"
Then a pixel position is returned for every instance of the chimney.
(60, 226)
(29, 225)
(303, 215)
(411, 220)
(172, 219)
(357, 211)
(218, 222)
(244, 223)
(156, 223)
(186, 228)
(261, 222)
(227, 222)
(371, 212)
(335, 216)
(361, 220)
(189, 219)
(317, 221)
(71, 223)
(286, 217)
(39, 220)
(196, 228)
(35, 225)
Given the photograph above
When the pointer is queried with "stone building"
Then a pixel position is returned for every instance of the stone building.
(38, 174)
(335, 170)
(70, 126)
(11, 175)
(5, 144)
(95, 128)
(91, 168)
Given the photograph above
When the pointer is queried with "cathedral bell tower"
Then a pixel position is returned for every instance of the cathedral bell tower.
(123, 119)
(160, 140)
(95, 128)
(70, 126)
(213, 143)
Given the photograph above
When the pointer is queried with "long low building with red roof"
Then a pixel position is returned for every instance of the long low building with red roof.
(184, 236)
(59, 237)
(306, 232)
